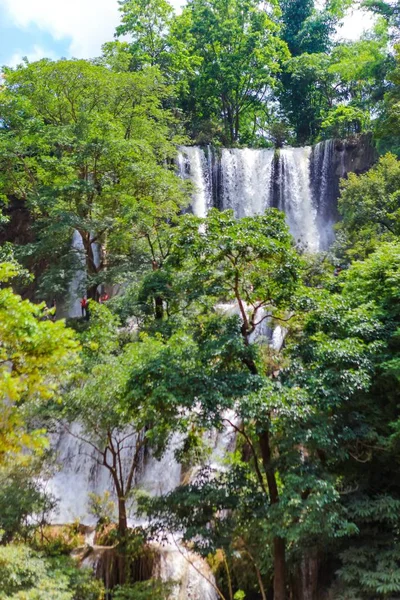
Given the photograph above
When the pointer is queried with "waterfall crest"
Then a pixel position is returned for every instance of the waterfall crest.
(302, 182)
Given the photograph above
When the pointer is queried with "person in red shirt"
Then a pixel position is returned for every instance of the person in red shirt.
(84, 306)
(104, 297)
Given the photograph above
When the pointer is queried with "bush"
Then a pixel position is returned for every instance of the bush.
(23, 502)
(344, 121)
(153, 589)
(27, 575)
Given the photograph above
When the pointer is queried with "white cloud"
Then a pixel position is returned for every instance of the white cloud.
(36, 53)
(88, 23)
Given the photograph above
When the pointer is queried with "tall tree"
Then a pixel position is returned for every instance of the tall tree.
(387, 126)
(148, 25)
(239, 52)
(308, 30)
(252, 263)
(36, 357)
(349, 363)
(85, 149)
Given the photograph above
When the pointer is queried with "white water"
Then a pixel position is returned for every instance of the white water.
(193, 577)
(75, 292)
(81, 473)
(246, 180)
(246, 185)
(193, 165)
(296, 196)
(76, 287)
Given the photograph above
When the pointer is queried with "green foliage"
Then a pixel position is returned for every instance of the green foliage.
(36, 357)
(86, 149)
(238, 52)
(144, 590)
(388, 124)
(147, 24)
(336, 93)
(24, 503)
(369, 205)
(26, 575)
(102, 507)
(344, 121)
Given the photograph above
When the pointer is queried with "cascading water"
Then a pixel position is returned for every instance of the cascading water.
(193, 165)
(246, 180)
(295, 196)
(303, 182)
(74, 292)
(73, 308)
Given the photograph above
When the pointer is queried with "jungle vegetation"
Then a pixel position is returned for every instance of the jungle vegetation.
(309, 504)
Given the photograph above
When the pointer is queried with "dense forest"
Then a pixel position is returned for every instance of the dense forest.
(195, 329)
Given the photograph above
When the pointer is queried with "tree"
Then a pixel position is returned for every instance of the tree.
(307, 29)
(36, 357)
(84, 148)
(369, 205)
(389, 10)
(252, 263)
(95, 411)
(349, 361)
(239, 53)
(322, 74)
(27, 574)
(25, 506)
(344, 122)
(148, 25)
(96, 400)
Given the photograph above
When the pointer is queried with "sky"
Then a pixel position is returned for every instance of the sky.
(77, 28)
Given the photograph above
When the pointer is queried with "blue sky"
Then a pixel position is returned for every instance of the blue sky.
(56, 28)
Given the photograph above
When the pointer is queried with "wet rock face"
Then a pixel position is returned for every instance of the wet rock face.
(331, 161)
(355, 155)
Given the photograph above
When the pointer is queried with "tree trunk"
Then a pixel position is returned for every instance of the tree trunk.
(158, 301)
(122, 518)
(266, 454)
(279, 543)
(122, 530)
(159, 308)
(279, 569)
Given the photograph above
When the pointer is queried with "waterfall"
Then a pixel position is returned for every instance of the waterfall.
(193, 165)
(303, 183)
(77, 284)
(246, 177)
(193, 577)
(75, 287)
(82, 474)
(248, 181)
(295, 197)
